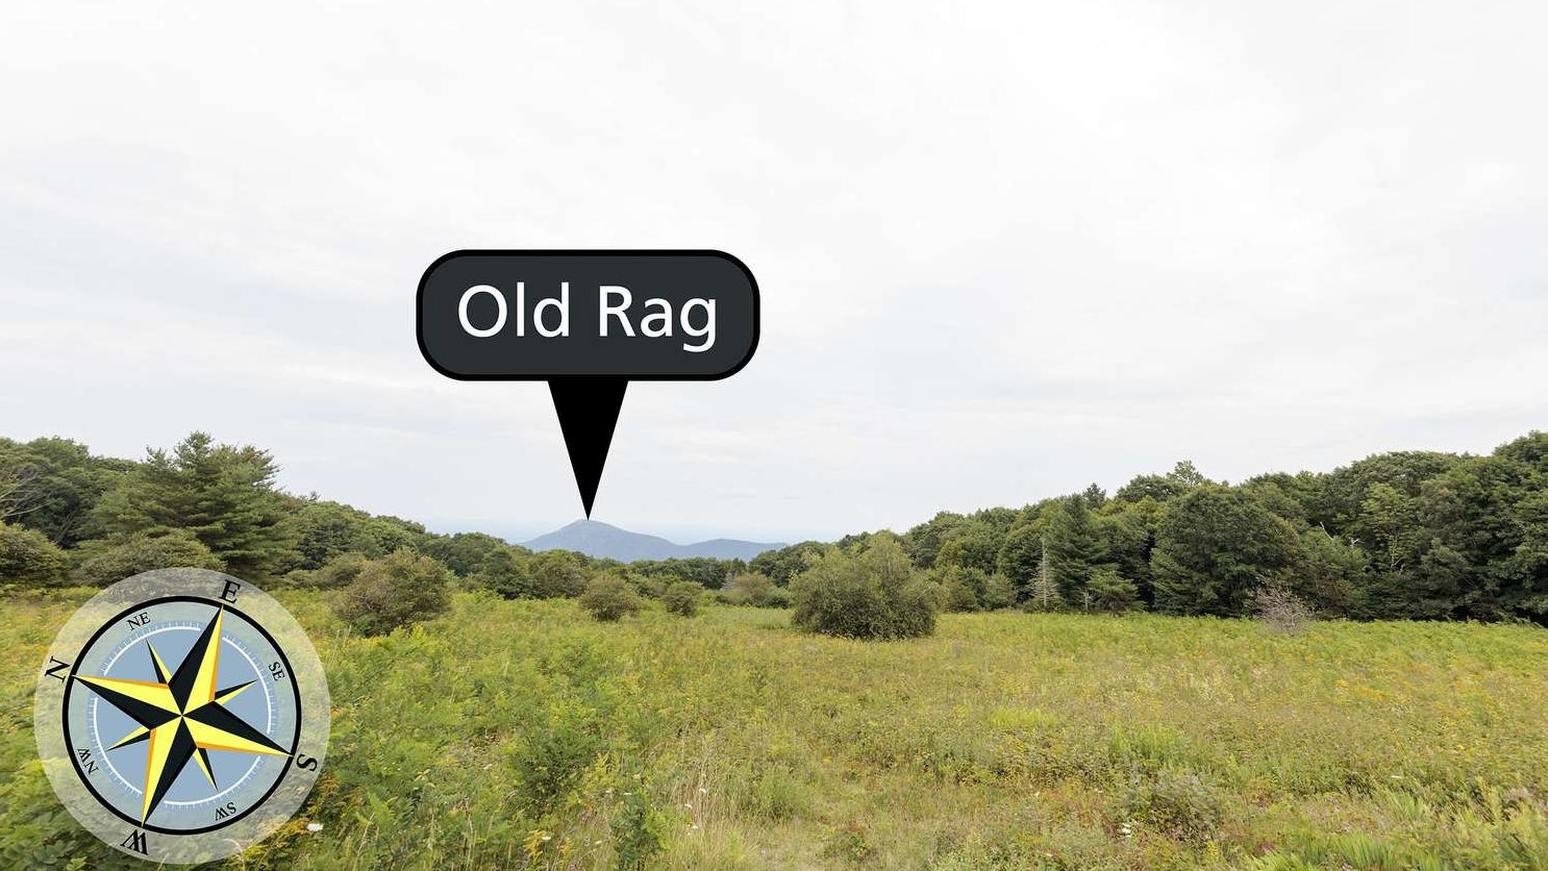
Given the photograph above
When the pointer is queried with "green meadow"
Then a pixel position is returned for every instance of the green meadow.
(524, 734)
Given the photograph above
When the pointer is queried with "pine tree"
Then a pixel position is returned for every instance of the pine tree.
(223, 494)
(1073, 548)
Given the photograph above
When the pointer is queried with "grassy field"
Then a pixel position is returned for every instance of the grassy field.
(522, 732)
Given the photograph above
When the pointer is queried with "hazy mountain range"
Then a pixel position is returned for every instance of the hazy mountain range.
(598, 539)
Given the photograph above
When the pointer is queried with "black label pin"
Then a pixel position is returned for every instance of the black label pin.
(588, 323)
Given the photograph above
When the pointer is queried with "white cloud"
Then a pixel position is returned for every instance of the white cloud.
(1003, 250)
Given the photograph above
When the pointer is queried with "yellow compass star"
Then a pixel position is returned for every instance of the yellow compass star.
(181, 715)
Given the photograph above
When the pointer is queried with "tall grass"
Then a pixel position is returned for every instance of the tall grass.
(523, 733)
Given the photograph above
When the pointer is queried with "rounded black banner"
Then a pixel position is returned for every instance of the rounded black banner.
(540, 315)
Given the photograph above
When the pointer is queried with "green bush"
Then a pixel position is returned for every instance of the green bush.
(682, 598)
(29, 559)
(551, 759)
(110, 561)
(874, 594)
(639, 831)
(338, 573)
(1173, 801)
(752, 588)
(398, 590)
(508, 572)
(962, 587)
(653, 586)
(558, 573)
(609, 597)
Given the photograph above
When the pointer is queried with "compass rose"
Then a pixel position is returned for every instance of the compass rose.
(182, 715)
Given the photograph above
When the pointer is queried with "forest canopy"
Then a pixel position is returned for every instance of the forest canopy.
(1408, 534)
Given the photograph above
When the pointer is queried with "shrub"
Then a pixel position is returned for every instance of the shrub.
(998, 592)
(750, 588)
(558, 573)
(551, 760)
(652, 586)
(609, 597)
(508, 572)
(28, 558)
(639, 831)
(682, 598)
(1179, 803)
(113, 560)
(1282, 610)
(338, 573)
(873, 594)
(398, 590)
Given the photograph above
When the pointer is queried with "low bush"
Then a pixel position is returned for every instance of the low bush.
(112, 560)
(652, 586)
(29, 559)
(1175, 802)
(753, 588)
(682, 598)
(639, 831)
(608, 597)
(874, 594)
(508, 572)
(1280, 609)
(398, 590)
(338, 573)
(558, 573)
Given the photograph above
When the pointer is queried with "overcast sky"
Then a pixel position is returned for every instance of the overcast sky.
(1005, 249)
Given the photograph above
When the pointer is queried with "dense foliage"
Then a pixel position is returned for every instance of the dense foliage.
(872, 593)
(399, 589)
(1418, 535)
(29, 559)
(104, 561)
(608, 597)
(756, 589)
(682, 598)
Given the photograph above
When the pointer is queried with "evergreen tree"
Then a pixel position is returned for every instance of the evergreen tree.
(224, 495)
(1073, 548)
(1019, 556)
(1110, 592)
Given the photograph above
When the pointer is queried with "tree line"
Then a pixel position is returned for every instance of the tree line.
(1416, 535)
(69, 517)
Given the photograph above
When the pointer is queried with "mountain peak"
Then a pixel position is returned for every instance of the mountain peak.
(598, 539)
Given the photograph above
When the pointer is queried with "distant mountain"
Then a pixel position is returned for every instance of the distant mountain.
(598, 539)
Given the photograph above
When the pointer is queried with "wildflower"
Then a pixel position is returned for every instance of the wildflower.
(314, 828)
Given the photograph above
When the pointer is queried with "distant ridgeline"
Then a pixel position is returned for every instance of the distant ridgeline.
(594, 538)
(1411, 534)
